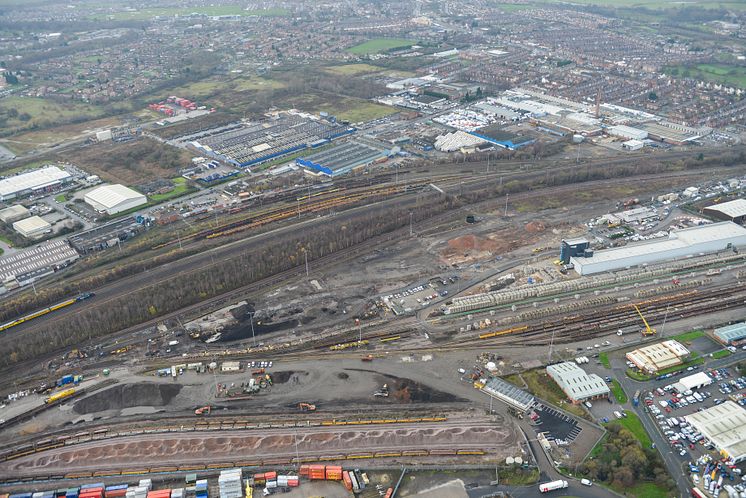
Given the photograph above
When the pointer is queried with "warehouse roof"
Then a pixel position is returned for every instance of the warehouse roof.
(732, 209)
(729, 333)
(32, 180)
(696, 380)
(725, 426)
(46, 254)
(676, 240)
(110, 196)
(658, 356)
(15, 211)
(32, 224)
(576, 383)
(509, 393)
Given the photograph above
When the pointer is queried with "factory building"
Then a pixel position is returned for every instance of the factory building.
(13, 213)
(508, 393)
(731, 334)
(39, 180)
(32, 227)
(578, 385)
(632, 145)
(734, 211)
(345, 157)
(35, 262)
(724, 425)
(679, 244)
(627, 132)
(113, 199)
(573, 247)
(457, 141)
(658, 356)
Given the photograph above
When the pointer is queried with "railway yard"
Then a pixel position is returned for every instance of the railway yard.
(365, 355)
(396, 295)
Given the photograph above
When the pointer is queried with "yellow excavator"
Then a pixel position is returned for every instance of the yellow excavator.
(306, 407)
(648, 330)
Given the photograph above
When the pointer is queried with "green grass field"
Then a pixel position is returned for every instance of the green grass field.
(688, 336)
(377, 45)
(604, 359)
(363, 111)
(353, 69)
(44, 112)
(717, 73)
(619, 393)
(633, 424)
(180, 188)
(215, 10)
(720, 354)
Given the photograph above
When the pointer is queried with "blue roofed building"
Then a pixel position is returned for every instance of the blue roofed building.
(731, 334)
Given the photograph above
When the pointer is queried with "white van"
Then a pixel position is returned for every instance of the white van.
(586, 482)
(617, 415)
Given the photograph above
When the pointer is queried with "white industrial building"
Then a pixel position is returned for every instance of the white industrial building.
(658, 356)
(578, 385)
(13, 213)
(734, 210)
(452, 142)
(632, 145)
(627, 132)
(724, 425)
(113, 199)
(32, 181)
(32, 227)
(679, 244)
(699, 379)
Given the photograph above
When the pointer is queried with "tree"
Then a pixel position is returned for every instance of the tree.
(10, 78)
(652, 96)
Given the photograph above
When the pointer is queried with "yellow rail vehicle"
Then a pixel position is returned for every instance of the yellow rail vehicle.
(60, 395)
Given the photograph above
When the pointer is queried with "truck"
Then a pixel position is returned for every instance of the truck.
(636, 398)
(552, 486)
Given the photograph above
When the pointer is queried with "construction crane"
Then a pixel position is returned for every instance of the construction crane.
(648, 329)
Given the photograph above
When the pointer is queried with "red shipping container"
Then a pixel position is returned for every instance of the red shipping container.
(304, 470)
(270, 475)
(293, 483)
(389, 493)
(317, 468)
(116, 493)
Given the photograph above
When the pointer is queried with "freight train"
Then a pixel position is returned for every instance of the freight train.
(258, 462)
(44, 311)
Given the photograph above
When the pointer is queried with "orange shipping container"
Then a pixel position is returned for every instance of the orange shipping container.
(317, 468)
(270, 475)
(389, 493)
(346, 480)
(304, 470)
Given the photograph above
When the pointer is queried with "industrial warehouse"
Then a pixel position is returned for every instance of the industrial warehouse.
(254, 143)
(344, 157)
(733, 334)
(658, 356)
(113, 199)
(725, 426)
(22, 267)
(31, 227)
(578, 385)
(38, 180)
(734, 211)
(679, 244)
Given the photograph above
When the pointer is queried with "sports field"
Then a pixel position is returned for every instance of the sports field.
(378, 45)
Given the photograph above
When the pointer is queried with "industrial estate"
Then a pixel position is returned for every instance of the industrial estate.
(372, 249)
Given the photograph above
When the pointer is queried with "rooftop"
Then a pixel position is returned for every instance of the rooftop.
(725, 426)
(32, 224)
(734, 332)
(732, 209)
(576, 383)
(676, 240)
(32, 180)
(112, 195)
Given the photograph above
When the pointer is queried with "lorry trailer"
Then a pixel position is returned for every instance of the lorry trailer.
(552, 486)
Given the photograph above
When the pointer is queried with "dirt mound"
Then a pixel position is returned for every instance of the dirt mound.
(471, 242)
(286, 375)
(127, 396)
(343, 376)
(535, 227)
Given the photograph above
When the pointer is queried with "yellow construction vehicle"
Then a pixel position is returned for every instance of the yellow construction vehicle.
(307, 407)
(648, 330)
